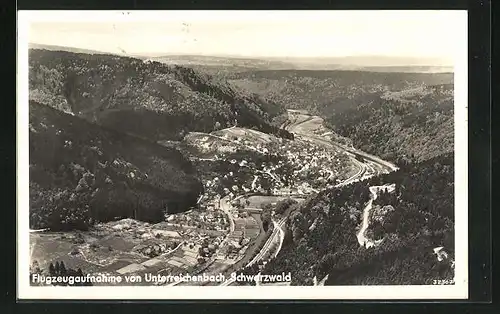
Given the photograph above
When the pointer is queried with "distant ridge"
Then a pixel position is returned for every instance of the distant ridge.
(70, 49)
(222, 61)
(409, 69)
(366, 61)
(355, 63)
(242, 63)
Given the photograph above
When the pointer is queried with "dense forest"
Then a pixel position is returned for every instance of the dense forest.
(409, 125)
(81, 173)
(315, 90)
(413, 220)
(158, 101)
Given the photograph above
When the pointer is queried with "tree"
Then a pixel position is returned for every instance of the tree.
(327, 262)
(266, 218)
(283, 205)
(62, 268)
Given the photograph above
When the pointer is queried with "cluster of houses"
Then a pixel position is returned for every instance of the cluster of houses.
(209, 218)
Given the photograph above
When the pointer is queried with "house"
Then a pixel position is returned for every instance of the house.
(440, 253)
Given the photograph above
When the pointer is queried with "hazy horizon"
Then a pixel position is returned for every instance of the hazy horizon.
(235, 56)
(428, 38)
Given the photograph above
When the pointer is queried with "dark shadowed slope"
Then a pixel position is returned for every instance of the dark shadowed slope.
(65, 48)
(81, 173)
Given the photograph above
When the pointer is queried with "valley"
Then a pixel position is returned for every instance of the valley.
(138, 167)
(220, 232)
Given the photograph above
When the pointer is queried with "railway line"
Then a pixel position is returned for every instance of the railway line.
(370, 166)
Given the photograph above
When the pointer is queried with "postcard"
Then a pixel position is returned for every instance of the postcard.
(242, 155)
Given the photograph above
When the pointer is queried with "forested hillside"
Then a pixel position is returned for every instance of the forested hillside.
(81, 173)
(317, 90)
(148, 99)
(397, 116)
(411, 222)
(408, 125)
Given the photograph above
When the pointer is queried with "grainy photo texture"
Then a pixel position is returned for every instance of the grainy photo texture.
(233, 149)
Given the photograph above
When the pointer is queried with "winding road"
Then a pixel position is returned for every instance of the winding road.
(301, 130)
(362, 239)
(371, 167)
(39, 230)
(276, 235)
(226, 207)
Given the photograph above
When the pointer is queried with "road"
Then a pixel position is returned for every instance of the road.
(253, 182)
(227, 282)
(371, 167)
(301, 131)
(278, 234)
(365, 169)
(362, 239)
(275, 235)
(39, 230)
(281, 238)
(300, 128)
(330, 174)
(358, 175)
(272, 175)
(226, 207)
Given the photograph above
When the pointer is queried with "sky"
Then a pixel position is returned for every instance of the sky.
(422, 34)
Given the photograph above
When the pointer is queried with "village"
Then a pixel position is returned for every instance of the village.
(227, 219)
(225, 228)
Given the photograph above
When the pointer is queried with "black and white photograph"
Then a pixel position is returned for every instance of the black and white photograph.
(242, 154)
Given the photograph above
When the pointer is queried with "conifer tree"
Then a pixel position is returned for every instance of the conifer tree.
(62, 268)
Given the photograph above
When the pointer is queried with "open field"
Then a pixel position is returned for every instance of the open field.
(252, 136)
(205, 145)
(301, 122)
(259, 201)
(121, 247)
